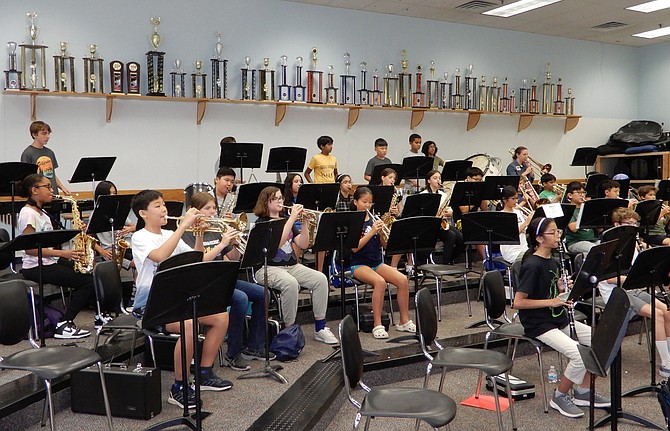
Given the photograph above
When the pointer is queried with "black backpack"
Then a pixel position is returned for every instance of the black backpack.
(288, 343)
(664, 400)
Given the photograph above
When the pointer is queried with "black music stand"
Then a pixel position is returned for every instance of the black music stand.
(286, 159)
(496, 184)
(185, 293)
(649, 211)
(262, 245)
(561, 222)
(339, 230)
(11, 174)
(39, 240)
(247, 195)
(454, 170)
(624, 187)
(663, 190)
(592, 185)
(584, 156)
(241, 155)
(596, 213)
(174, 208)
(412, 235)
(421, 204)
(383, 195)
(376, 178)
(92, 169)
(416, 168)
(110, 214)
(318, 196)
(468, 193)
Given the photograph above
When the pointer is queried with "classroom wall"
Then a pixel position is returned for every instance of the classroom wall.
(159, 145)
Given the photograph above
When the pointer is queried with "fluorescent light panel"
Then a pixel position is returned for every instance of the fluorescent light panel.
(652, 34)
(651, 6)
(518, 7)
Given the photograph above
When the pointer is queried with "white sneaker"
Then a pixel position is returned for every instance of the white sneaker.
(325, 336)
(67, 329)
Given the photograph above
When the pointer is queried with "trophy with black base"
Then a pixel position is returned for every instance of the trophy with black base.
(524, 96)
(93, 82)
(404, 82)
(432, 89)
(347, 83)
(505, 102)
(248, 80)
(155, 62)
(267, 81)
(314, 82)
(548, 98)
(38, 63)
(198, 82)
(363, 92)
(116, 80)
(376, 95)
(391, 95)
(12, 76)
(331, 90)
(63, 69)
(133, 78)
(559, 105)
(569, 103)
(445, 92)
(284, 88)
(470, 88)
(298, 88)
(483, 98)
(533, 103)
(418, 97)
(219, 71)
(457, 97)
(177, 80)
(494, 96)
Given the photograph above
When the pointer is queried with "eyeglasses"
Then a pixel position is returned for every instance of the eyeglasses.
(276, 198)
(554, 232)
(49, 186)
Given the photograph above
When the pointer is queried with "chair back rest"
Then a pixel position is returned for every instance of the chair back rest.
(14, 312)
(351, 352)
(426, 317)
(516, 270)
(494, 294)
(108, 286)
(5, 257)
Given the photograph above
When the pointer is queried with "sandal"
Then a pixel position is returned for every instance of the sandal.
(406, 327)
(379, 332)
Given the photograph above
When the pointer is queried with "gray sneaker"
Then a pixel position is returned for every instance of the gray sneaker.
(599, 401)
(238, 363)
(563, 403)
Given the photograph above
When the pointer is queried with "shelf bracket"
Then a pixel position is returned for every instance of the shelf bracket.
(473, 119)
(354, 112)
(33, 106)
(280, 112)
(200, 114)
(525, 121)
(417, 118)
(109, 109)
(571, 122)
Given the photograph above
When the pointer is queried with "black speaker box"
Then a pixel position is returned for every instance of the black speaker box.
(367, 320)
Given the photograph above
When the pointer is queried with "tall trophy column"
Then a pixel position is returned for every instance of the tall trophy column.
(155, 62)
(267, 81)
(298, 88)
(284, 88)
(198, 82)
(376, 93)
(177, 80)
(432, 88)
(445, 92)
(248, 80)
(404, 82)
(31, 60)
(12, 76)
(418, 97)
(219, 71)
(93, 73)
(314, 82)
(347, 83)
(63, 69)
(331, 90)
(391, 87)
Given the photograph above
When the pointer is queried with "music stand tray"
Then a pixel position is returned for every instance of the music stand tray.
(241, 155)
(663, 193)
(592, 183)
(421, 204)
(596, 213)
(286, 159)
(454, 170)
(247, 195)
(376, 178)
(561, 222)
(491, 228)
(626, 239)
(416, 168)
(584, 156)
(110, 214)
(92, 169)
(496, 184)
(383, 195)
(318, 196)
(649, 211)
(468, 193)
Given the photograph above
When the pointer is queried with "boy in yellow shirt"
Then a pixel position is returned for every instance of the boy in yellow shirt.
(324, 165)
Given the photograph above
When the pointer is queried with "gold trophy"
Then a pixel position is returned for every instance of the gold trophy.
(314, 81)
(391, 87)
(198, 82)
(548, 97)
(63, 69)
(432, 88)
(155, 62)
(404, 82)
(331, 91)
(93, 72)
(30, 60)
(267, 81)
(219, 71)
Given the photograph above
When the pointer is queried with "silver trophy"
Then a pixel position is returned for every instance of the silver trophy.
(32, 61)
(12, 76)
(248, 80)
(219, 71)
(63, 69)
(347, 83)
(198, 81)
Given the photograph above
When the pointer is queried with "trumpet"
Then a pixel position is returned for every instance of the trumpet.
(527, 212)
(216, 225)
(386, 230)
(313, 217)
(559, 189)
(310, 213)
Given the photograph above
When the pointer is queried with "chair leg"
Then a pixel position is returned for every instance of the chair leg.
(358, 311)
(438, 295)
(444, 374)
(511, 401)
(43, 422)
(47, 383)
(367, 423)
(105, 398)
(497, 401)
(538, 350)
(388, 289)
(429, 368)
(467, 293)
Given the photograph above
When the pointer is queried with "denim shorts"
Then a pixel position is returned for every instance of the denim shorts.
(374, 268)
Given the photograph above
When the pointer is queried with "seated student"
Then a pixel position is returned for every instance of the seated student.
(223, 187)
(657, 234)
(512, 253)
(640, 300)
(238, 356)
(381, 148)
(343, 197)
(548, 192)
(611, 189)
(389, 176)
(285, 273)
(578, 240)
(367, 266)
(544, 317)
(152, 245)
(451, 237)
(58, 265)
(105, 238)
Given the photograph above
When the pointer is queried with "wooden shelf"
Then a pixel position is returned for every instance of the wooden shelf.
(658, 164)
(281, 108)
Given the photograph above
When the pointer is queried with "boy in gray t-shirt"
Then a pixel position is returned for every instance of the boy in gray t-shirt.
(381, 148)
(43, 157)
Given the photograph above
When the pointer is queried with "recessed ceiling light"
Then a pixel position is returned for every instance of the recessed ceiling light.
(518, 7)
(652, 34)
(651, 6)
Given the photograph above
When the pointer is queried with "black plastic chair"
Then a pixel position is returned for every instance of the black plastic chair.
(433, 407)
(495, 308)
(489, 362)
(439, 271)
(109, 295)
(47, 363)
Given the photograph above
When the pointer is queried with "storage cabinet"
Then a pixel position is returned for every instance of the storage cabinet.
(641, 168)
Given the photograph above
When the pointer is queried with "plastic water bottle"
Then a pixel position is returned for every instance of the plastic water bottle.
(552, 375)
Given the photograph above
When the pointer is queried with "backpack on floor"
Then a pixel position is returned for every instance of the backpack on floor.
(288, 343)
(52, 315)
(664, 400)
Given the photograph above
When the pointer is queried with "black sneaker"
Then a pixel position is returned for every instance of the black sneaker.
(102, 319)
(212, 382)
(252, 355)
(238, 363)
(176, 396)
(68, 329)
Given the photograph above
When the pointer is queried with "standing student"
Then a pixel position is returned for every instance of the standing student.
(381, 148)
(225, 140)
(543, 316)
(43, 157)
(324, 164)
(414, 147)
(367, 266)
(151, 245)
(452, 238)
(520, 165)
(429, 149)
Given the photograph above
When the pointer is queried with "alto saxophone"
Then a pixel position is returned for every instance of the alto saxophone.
(445, 223)
(388, 219)
(82, 242)
(121, 246)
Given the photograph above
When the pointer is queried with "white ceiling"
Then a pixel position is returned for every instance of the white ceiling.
(574, 19)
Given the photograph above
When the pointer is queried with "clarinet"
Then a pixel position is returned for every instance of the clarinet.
(565, 277)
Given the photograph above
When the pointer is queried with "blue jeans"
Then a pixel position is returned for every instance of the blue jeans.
(246, 292)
